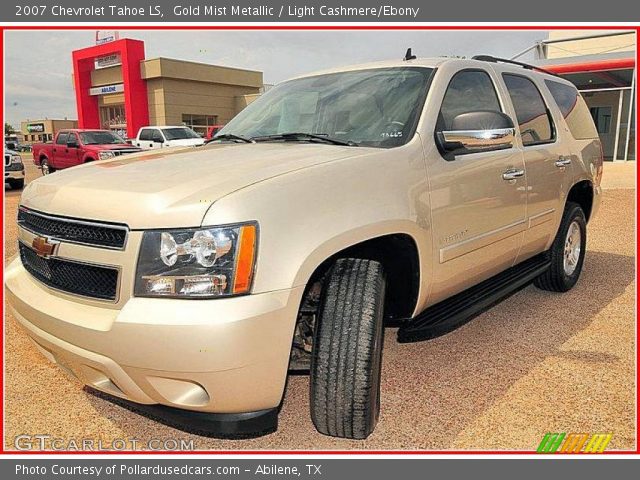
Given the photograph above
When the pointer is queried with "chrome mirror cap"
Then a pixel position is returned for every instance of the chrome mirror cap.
(478, 140)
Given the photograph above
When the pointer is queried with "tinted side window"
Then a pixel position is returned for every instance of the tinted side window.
(157, 136)
(532, 113)
(146, 134)
(573, 108)
(468, 91)
(62, 138)
(73, 138)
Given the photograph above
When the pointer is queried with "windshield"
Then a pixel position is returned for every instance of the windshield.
(100, 138)
(376, 108)
(179, 133)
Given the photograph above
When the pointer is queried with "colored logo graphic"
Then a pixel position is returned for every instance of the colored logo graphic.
(574, 443)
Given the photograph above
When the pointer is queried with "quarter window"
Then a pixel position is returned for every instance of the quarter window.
(573, 109)
(468, 91)
(532, 113)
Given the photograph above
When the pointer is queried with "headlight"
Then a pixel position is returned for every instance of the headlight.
(199, 262)
(16, 159)
(105, 154)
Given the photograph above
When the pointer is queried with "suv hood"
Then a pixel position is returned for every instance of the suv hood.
(155, 189)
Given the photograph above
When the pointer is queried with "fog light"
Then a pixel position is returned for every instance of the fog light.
(185, 285)
(159, 285)
(206, 285)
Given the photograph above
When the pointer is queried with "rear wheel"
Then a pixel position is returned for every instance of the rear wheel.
(45, 167)
(347, 350)
(567, 252)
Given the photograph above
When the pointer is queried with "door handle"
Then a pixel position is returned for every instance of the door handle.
(563, 161)
(512, 174)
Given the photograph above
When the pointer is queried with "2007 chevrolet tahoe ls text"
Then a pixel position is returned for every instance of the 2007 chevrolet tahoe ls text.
(419, 191)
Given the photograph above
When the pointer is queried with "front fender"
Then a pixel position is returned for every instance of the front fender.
(308, 215)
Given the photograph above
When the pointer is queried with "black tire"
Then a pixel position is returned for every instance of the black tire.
(45, 167)
(16, 184)
(556, 278)
(347, 350)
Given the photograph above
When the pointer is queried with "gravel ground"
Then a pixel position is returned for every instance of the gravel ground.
(535, 363)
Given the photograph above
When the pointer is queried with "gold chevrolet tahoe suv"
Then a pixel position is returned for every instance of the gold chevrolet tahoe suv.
(186, 283)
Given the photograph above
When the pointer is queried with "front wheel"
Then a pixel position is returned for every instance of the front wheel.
(16, 184)
(567, 252)
(347, 350)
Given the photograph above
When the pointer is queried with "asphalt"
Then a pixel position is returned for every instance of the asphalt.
(536, 363)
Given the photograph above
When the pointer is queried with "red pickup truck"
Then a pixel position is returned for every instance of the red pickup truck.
(77, 146)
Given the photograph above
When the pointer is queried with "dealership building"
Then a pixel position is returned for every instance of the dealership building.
(602, 66)
(117, 88)
(33, 131)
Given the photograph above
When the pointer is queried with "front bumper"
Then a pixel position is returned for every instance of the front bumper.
(223, 355)
(14, 175)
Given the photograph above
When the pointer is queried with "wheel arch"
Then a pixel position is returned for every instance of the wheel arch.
(582, 194)
(400, 257)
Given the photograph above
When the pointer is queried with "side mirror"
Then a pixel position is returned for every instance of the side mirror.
(476, 132)
(72, 144)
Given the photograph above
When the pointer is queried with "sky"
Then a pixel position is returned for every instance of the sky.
(38, 64)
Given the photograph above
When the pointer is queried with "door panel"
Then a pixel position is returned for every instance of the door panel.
(478, 218)
(71, 154)
(547, 160)
(545, 184)
(59, 152)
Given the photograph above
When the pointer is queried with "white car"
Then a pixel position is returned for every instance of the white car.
(167, 136)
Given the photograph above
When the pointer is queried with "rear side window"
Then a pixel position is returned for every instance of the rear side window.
(146, 134)
(532, 113)
(62, 138)
(573, 109)
(468, 91)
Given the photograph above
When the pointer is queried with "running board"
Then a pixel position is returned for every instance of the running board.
(452, 313)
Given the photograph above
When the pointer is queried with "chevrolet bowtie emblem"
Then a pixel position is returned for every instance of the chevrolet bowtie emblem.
(44, 247)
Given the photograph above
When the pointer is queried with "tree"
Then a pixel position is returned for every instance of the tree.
(8, 129)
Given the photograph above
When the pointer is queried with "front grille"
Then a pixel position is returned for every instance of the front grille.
(124, 151)
(72, 277)
(72, 230)
(13, 166)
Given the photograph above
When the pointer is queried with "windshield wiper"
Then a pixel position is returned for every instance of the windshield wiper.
(230, 136)
(305, 136)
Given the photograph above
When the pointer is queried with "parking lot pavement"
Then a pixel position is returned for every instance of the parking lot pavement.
(538, 362)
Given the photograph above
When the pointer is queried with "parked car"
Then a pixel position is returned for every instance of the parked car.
(11, 142)
(212, 131)
(13, 169)
(161, 137)
(77, 146)
(419, 192)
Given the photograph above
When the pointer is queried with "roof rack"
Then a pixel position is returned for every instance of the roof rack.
(489, 58)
